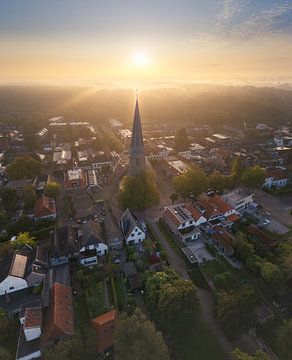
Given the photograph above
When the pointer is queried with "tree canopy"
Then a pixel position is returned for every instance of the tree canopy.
(29, 196)
(237, 354)
(138, 191)
(52, 189)
(237, 168)
(192, 182)
(253, 177)
(9, 198)
(171, 299)
(284, 337)
(235, 308)
(216, 181)
(23, 238)
(136, 338)
(181, 140)
(24, 167)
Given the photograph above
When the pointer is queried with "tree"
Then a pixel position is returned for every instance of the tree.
(235, 309)
(216, 181)
(9, 199)
(136, 338)
(284, 336)
(181, 141)
(243, 248)
(225, 281)
(138, 192)
(192, 182)
(52, 189)
(7, 327)
(171, 299)
(237, 168)
(4, 353)
(23, 239)
(71, 348)
(285, 258)
(253, 177)
(271, 274)
(5, 248)
(24, 167)
(237, 354)
(173, 197)
(29, 196)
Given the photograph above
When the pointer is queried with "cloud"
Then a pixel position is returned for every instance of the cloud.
(229, 8)
(272, 20)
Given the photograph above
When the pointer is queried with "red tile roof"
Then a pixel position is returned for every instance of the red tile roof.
(61, 317)
(195, 213)
(233, 217)
(223, 237)
(44, 206)
(277, 174)
(220, 203)
(33, 317)
(262, 236)
(104, 326)
(171, 216)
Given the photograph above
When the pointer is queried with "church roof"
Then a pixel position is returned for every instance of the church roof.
(137, 137)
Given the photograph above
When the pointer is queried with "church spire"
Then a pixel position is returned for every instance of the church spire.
(137, 137)
(137, 155)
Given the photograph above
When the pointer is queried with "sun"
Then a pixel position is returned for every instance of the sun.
(141, 59)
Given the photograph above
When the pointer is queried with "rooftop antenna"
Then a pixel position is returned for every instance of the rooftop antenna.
(136, 94)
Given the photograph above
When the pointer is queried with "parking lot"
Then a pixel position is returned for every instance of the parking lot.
(278, 208)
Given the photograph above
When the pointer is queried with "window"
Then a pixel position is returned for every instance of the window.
(11, 288)
(139, 233)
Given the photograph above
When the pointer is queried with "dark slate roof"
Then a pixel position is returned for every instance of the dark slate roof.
(130, 268)
(90, 233)
(6, 265)
(26, 348)
(128, 222)
(137, 138)
(14, 301)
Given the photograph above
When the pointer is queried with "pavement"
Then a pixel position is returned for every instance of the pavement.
(276, 206)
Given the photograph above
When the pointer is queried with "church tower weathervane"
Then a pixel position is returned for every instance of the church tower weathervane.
(137, 154)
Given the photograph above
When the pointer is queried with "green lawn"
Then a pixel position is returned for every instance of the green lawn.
(197, 342)
(212, 268)
(197, 277)
(120, 289)
(94, 294)
(169, 238)
(81, 312)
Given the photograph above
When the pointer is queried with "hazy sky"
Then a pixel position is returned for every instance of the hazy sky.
(145, 40)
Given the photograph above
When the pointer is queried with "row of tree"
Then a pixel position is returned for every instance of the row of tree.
(194, 181)
(272, 274)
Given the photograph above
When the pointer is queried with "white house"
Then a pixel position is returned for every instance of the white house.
(91, 247)
(12, 273)
(183, 220)
(132, 229)
(275, 178)
(238, 199)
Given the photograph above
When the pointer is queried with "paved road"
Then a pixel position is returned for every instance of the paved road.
(279, 209)
(205, 296)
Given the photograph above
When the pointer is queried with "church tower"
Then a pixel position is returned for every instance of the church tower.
(137, 154)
